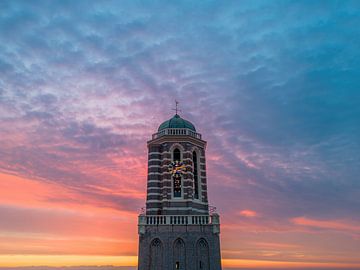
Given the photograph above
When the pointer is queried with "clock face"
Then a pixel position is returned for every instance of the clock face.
(177, 168)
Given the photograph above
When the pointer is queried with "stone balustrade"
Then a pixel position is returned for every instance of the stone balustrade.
(161, 221)
(178, 219)
(176, 132)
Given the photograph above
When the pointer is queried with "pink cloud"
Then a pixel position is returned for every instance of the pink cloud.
(326, 224)
(248, 213)
(47, 218)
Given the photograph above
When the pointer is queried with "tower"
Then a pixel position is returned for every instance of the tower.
(177, 230)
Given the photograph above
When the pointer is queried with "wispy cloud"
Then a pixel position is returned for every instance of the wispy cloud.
(272, 86)
(327, 224)
(248, 213)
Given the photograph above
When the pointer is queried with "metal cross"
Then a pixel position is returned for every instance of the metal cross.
(176, 107)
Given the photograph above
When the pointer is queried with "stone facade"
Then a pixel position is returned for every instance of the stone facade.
(176, 231)
(188, 247)
(159, 184)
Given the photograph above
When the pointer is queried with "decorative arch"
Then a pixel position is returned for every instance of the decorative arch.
(179, 255)
(177, 146)
(196, 149)
(156, 254)
(202, 255)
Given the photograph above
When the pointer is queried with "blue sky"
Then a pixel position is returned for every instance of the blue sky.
(273, 86)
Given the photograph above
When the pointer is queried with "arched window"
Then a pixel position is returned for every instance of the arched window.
(179, 254)
(177, 177)
(176, 155)
(156, 254)
(202, 255)
(196, 176)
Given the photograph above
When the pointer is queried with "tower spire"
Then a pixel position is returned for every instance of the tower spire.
(176, 107)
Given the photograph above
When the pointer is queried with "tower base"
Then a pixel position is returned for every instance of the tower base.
(184, 247)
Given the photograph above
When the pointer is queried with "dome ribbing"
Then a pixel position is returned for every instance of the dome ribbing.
(176, 122)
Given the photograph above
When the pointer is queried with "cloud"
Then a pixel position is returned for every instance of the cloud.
(72, 268)
(248, 213)
(326, 224)
(273, 88)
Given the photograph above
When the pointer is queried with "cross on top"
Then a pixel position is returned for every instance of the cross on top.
(176, 107)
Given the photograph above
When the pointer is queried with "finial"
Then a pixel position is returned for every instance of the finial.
(176, 107)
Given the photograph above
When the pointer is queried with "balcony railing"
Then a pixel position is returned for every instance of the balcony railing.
(150, 221)
(176, 132)
(178, 219)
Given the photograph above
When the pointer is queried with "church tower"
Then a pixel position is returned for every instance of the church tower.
(177, 230)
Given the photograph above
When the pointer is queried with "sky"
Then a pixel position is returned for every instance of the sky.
(273, 87)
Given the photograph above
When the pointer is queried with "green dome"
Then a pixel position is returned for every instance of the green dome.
(176, 122)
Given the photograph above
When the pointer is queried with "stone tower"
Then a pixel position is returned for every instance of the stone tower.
(177, 230)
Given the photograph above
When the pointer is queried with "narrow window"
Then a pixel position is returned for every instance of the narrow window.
(196, 176)
(177, 177)
(176, 155)
(177, 265)
(200, 264)
(177, 186)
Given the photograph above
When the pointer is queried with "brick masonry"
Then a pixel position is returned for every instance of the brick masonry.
(178, 247)
(168, 256)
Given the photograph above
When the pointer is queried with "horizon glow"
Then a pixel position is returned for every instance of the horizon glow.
(273, 87)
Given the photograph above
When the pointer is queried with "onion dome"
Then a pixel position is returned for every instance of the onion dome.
(177, 122)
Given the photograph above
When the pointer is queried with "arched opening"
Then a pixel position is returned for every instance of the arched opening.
(179, 254)
(177, 176)
(202, 255)
(177, 186)
(176, 155)
(196, 176)
(156, 255)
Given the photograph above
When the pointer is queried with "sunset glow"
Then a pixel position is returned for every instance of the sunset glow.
(272, 86)
(65, 260)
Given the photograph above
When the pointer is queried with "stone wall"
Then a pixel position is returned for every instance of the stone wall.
(159, 199)
(188, 247)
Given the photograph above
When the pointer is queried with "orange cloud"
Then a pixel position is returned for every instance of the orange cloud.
(326, 224)
(248, 213)
(15, 190)
(273, 245)
(25, 192)
(65, 260)
(47, 218)
(268, 264)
